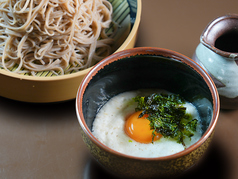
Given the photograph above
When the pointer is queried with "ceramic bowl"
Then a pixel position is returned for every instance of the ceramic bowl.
(44, 89)
(147, 67)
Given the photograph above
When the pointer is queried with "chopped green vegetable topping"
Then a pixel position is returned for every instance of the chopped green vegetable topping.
(167, 115)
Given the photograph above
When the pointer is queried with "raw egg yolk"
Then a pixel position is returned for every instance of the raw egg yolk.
(139, 128)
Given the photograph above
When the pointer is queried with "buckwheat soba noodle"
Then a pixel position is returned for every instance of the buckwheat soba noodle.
(53, 35)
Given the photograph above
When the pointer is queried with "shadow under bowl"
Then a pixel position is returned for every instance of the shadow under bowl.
(141, 68)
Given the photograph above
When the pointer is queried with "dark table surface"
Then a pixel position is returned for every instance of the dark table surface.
(44, 141)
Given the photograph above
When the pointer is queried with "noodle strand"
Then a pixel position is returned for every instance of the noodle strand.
(59, 36)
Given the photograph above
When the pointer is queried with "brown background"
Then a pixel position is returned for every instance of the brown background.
(43, 140)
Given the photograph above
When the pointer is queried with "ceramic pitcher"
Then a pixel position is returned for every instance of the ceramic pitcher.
(217, 53)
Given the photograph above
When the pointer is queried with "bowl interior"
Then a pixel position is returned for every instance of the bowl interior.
(176, 75)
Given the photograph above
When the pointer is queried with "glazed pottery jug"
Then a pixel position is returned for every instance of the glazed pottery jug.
(217, 53)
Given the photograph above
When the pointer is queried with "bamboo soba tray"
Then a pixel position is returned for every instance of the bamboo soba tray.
(47, 87)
